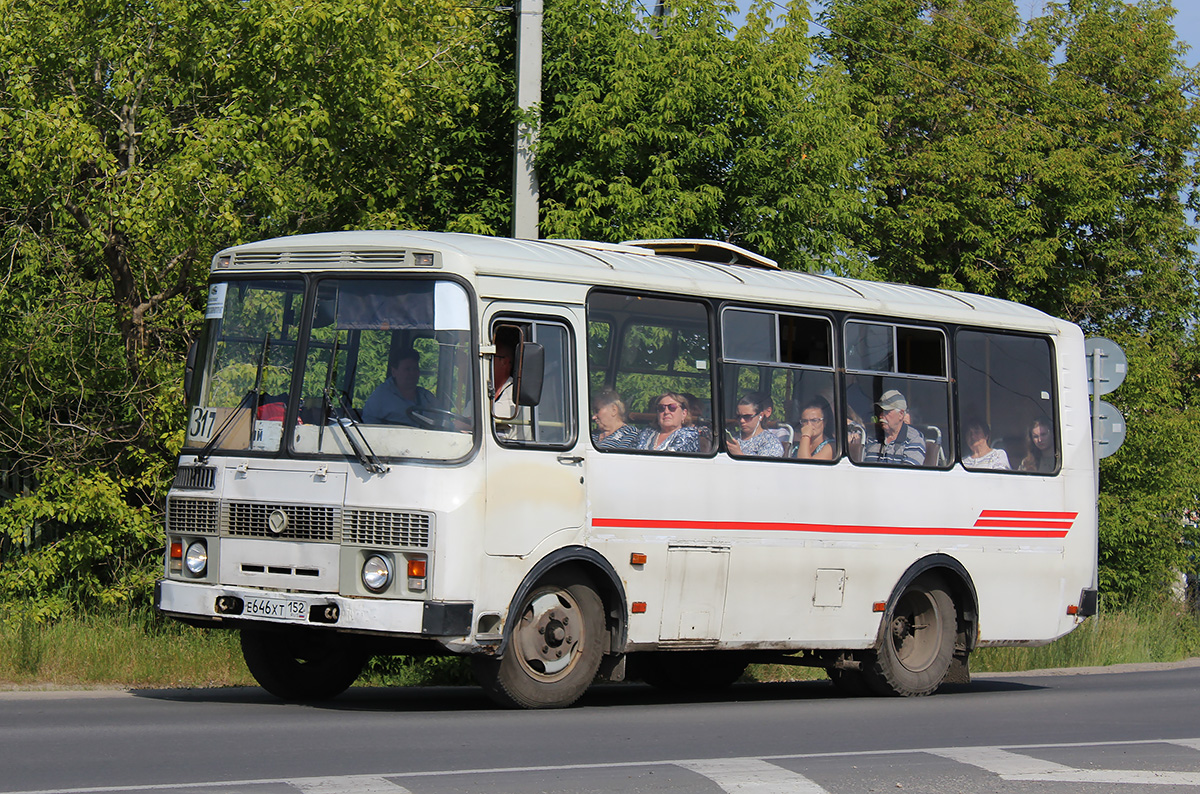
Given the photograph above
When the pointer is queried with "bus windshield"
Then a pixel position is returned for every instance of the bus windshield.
(385, 371)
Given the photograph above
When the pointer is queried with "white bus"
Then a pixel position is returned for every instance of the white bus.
(699, 461)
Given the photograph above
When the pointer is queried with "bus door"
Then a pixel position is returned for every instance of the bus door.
(535, 458)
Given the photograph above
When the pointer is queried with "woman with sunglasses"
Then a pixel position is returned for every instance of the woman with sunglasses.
(671, 430)
(752, 438)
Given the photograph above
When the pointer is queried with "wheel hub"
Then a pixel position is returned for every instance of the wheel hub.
(548, 635)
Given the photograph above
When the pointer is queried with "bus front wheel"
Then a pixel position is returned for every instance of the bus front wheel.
(298, 666)
(918, 641)
(553, 652)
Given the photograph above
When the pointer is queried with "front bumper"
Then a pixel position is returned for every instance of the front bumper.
(374, 615)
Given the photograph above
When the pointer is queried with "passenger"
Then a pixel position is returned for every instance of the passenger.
(1040, 441)
(696, 409)
(511, 423)
(978, 438)
(816, 431)
(389, 404)
(672, 430)
(753, 439)
(608, 412)
(898, 443)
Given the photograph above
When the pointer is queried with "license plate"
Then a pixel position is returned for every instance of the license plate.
(277, 608)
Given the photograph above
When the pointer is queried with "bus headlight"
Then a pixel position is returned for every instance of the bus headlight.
(376, 573)
(196, 558)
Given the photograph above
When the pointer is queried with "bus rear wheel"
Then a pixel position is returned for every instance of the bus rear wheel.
(301, 667)
(554, 649)
(918, 641)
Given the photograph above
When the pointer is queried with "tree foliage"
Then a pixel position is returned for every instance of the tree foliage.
(1053, 163)
(946, 143)
(136, 139)
(680, 126)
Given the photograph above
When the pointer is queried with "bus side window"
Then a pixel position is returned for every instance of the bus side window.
(531, 386)
(1006, 402)
(782, 409)
(648, 358)
(898, 376)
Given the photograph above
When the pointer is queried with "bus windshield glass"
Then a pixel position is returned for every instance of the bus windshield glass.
(246, 356)
(388, 369)
(385, 371)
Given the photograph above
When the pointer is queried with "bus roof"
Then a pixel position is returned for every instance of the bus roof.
(625, 266)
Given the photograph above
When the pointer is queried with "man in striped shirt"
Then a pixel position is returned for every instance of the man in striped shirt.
(901, 443)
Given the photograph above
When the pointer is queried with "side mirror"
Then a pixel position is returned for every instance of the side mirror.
(531, 371)
(189, 370)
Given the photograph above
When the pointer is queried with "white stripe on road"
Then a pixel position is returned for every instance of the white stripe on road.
(994, 759)
(752, 776)
(1002, 762)
(1016, 767)
(347, 784)
(1192, 743)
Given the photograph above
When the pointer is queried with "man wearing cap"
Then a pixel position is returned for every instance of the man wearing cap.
(901, 443)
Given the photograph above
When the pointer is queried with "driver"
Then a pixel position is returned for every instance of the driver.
(389, 404)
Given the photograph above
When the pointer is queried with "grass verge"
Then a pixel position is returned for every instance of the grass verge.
(148, 651)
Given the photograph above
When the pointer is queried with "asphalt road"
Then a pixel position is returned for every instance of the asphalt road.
(1131, 730)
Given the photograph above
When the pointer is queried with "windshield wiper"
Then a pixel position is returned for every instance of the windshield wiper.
(368, 458)
(251, 399)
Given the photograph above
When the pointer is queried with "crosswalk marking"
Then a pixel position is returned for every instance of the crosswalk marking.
(1191, 743)
(760, 775)
(347, 784)
(1016, 767)
(752, 776)
(1002, 762)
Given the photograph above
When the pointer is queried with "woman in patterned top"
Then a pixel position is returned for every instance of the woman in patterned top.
(608, 412)
(978, 438)
(672, 429)
(754, 439)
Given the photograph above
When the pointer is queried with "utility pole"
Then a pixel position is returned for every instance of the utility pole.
(529, 96)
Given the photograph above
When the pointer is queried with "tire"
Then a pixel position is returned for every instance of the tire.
(553, 651)
(301, 666)
(691, 671)
(918, 641)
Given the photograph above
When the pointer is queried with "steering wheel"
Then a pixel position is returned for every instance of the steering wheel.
(435, 418)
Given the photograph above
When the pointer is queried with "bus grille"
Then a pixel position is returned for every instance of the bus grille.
(200, 478)
(321, 258)
(387, 528)
(192, 516)
(305, 522)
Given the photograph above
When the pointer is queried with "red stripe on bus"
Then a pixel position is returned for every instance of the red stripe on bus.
(846, 529)
(1028, 524)
(1027, 514)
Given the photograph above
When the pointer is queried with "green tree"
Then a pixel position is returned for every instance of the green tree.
(1051, 163)
(136, 138)
(683, 127)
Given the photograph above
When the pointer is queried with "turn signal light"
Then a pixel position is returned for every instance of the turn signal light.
(177, 550)
(175, 557)
(637, 558)
(416, 574)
